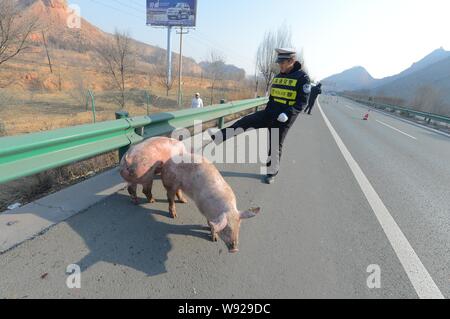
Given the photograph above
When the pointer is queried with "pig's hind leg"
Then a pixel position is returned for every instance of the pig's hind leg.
(132, 190)
(181, 197)
(171, 197)
(148, 192)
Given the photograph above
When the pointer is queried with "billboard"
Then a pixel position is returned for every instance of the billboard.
(172, 13)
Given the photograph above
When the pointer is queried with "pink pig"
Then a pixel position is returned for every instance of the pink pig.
(144, 161)
(202, 182)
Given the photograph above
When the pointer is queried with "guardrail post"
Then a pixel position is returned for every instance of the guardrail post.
(122, 115)
(221, 121)
(147, 99)
(257, 108)
(91, 95)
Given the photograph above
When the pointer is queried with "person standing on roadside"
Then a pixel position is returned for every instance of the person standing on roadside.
(197, 102)
(315, 92)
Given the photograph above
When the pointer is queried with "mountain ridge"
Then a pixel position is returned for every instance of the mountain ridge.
(349, 80)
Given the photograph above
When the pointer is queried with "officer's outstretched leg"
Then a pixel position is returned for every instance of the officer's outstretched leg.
(253, 121)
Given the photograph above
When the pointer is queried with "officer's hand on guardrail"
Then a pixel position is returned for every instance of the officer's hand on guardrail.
(283, 118)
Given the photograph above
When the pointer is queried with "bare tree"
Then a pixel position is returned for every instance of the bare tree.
(266, 55)
(44, 41)
(15, 30)
(214, 70)
(117, 57)
(301, 59)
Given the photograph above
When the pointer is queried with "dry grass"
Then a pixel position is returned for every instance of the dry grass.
(57, 110)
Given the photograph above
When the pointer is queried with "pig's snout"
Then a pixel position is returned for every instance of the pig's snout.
(233, 248)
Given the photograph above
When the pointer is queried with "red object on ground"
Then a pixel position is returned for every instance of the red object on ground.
(366, 117)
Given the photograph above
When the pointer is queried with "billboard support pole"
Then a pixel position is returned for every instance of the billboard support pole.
(158, 15)
(180, 68)
(169, 55)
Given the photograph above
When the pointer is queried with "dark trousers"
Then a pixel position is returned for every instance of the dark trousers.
(258, 120)
(312, 102)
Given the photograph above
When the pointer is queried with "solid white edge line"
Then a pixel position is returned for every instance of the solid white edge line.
(421, 280)
(396, 129)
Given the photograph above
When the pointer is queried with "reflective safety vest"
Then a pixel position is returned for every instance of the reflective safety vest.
(290, 90)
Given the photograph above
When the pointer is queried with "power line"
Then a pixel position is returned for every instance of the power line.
(127, 5)
(116, 9)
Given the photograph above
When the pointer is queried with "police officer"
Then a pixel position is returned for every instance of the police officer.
(288, 96)
(315, 92)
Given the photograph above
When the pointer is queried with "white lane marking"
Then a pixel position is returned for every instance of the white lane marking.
(418, 275)
(404, 120)
(349, 107)
(396, 129)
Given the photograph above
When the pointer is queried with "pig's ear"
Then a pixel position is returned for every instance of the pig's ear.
(220, 225)
(252, 212)
(127, 159)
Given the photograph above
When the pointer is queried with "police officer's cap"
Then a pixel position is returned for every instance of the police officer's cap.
(285, 54)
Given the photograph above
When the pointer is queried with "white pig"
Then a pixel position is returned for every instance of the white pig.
(201, 181)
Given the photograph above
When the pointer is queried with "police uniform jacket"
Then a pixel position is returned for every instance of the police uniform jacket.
(289, 93)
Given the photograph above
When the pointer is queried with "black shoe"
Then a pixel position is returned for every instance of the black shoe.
(270, 179)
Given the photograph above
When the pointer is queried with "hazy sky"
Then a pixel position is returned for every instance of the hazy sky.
(384, 36)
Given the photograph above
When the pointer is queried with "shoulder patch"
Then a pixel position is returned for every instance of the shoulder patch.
(307, 88)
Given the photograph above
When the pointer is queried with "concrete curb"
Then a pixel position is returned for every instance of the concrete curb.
(31, 220)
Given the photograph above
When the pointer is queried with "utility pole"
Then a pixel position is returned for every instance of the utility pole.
(180, 67)
(169, 55)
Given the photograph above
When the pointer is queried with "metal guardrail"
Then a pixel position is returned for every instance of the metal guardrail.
(29, 154)
(427, 116)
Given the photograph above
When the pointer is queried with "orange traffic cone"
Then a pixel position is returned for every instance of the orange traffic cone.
(366, 117)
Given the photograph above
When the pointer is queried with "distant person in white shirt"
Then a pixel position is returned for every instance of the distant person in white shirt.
(197, 102)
